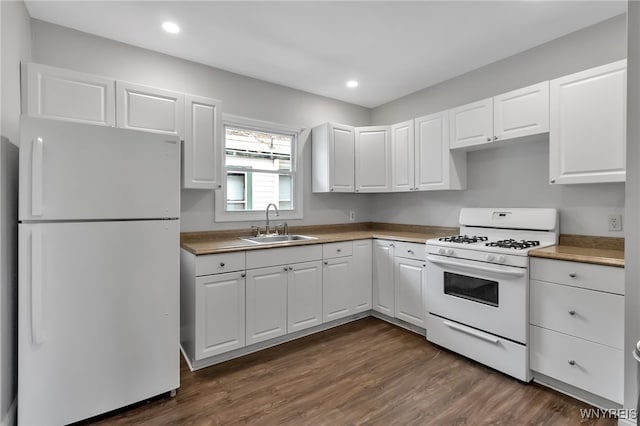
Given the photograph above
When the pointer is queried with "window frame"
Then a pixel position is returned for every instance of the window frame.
(220, 214)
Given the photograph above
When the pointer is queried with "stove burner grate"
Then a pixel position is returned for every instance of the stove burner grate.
(514, 244)
(463, 239)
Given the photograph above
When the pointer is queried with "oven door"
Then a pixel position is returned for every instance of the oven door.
(486, 296)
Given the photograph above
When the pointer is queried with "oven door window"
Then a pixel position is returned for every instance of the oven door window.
(471, 288)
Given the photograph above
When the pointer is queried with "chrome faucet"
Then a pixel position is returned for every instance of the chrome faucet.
(267, 230)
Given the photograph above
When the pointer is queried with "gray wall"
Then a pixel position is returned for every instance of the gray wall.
(15, 46)
(514, 176)
(62, 47)
(632, 234)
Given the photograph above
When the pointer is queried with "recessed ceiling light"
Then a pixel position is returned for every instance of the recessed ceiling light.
(171, 27)
(352, 83)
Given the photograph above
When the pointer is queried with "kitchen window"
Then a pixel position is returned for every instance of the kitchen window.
(260, 167)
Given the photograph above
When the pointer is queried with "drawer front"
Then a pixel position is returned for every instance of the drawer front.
(498, 353)
(341, 249)
(586, 365)
(585, 275)
(283, 256)
(588, 314)
(410, 250)
(218, 263)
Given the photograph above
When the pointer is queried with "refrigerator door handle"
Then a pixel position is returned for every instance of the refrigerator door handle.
(36, 287)
(36, 176)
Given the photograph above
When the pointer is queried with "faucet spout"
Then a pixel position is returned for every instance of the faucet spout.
(267, 230)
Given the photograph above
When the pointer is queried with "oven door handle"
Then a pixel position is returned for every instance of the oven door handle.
(513, 272)
(471, 332)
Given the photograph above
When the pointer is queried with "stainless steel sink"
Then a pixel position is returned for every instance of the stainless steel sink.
(269, 239)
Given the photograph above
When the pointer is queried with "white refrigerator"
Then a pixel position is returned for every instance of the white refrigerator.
(98, 254)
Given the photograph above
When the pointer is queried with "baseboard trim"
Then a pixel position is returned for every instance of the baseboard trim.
(579, 394)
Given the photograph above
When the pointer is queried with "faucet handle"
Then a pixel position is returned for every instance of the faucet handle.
(255, 230)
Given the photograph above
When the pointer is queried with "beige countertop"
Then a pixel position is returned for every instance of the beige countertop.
(578, 248)
(210, 242)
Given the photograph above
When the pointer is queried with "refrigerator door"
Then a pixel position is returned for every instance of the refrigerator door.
(72, 171)
(98, 317)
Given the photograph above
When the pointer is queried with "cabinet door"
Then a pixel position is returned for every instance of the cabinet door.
(471, 124)
(342, 158)
(362, 279)
(373, 159)
(67, 95)
(522, 112)
(402, 162)
(266, 303)
(587, 136)
(149, 109)
(336, 288)
(304, 294)
(203, 140)
(383, 284)
(220, 313)
(432, 156)
(409, 290)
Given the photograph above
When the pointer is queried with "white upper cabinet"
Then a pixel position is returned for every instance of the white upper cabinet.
(436, 167)
(587, 139)
(333, 158)
(202, 156)
(373, 159)
(61, 94)
(149, 109)
(472, 124)
(402, 156)
(516, 114)
(522, 112)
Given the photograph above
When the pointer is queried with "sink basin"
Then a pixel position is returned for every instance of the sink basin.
(269, 239)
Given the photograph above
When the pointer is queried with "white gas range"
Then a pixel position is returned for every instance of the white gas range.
(477, 285)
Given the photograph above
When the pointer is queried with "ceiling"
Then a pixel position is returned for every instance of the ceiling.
(392, 48)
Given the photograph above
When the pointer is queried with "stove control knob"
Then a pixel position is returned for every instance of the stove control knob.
(442, 251)
(490, 258)
(449, 252)
(502, 259)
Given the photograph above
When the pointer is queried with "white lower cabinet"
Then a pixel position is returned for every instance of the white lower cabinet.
(212, 304)
(304, 296)
(577, 323)
(409, 289)
(266, 303)
(337, 281)
(220, 316)
(362, 276)
(383, 282)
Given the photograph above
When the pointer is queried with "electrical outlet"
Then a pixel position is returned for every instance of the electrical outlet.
(615, 222)
(352, 215)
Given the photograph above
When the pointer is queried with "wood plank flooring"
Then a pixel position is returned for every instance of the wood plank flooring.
(365, 372)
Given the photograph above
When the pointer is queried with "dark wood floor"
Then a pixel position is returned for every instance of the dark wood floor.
(365, 372)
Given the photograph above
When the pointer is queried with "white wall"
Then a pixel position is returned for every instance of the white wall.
(15, 46)
(514, 176)
(632, 234)
(66, 48)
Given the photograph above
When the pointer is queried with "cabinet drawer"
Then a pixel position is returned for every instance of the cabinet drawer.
(283, 256)
(218, 263)
(496, 352)
(586, 365)
(341, 249)
(585, 275)
(410, 250)
(588, 314)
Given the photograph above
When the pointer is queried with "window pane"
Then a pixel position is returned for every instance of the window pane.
(285, 192)
(257, 150)
(235, 186)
